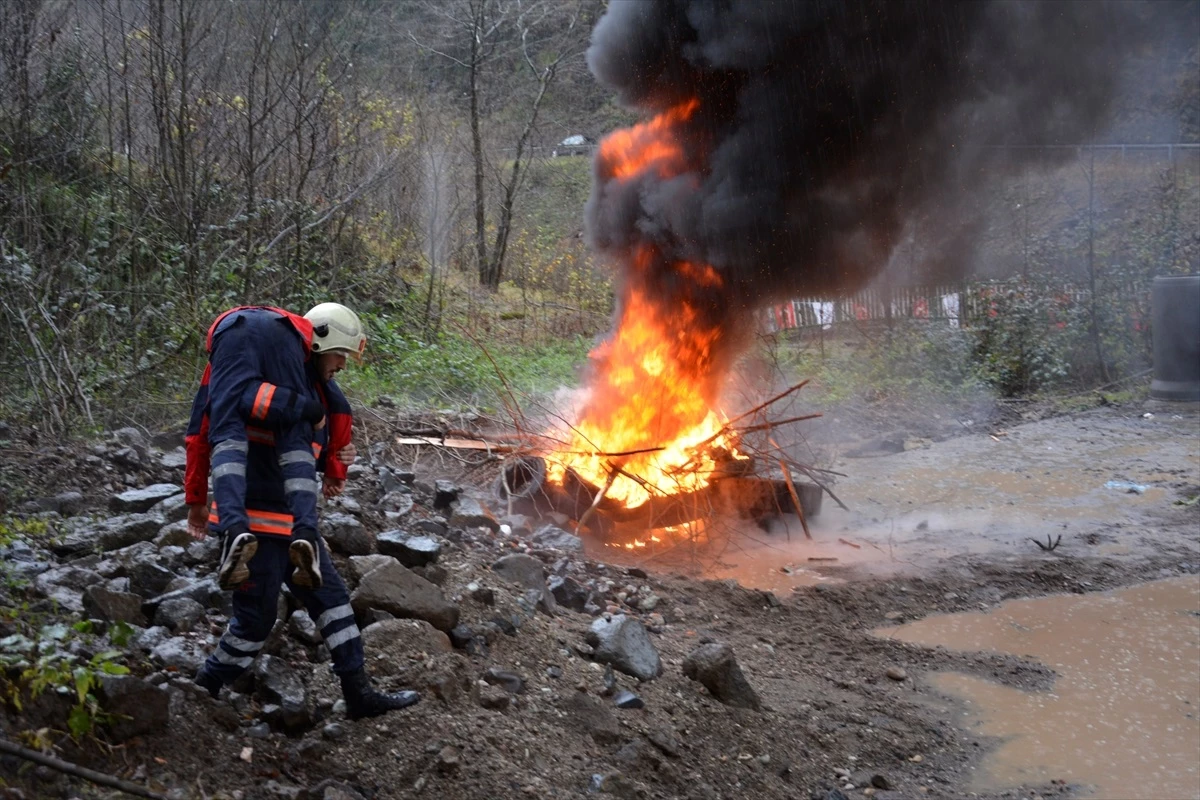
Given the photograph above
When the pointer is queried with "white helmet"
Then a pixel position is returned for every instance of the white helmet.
(335, 328)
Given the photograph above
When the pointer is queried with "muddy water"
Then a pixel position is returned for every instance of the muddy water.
(1124, 714)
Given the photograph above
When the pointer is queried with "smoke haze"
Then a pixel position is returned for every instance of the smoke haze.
(824, 127)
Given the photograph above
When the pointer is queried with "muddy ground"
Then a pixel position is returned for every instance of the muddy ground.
(932, 526)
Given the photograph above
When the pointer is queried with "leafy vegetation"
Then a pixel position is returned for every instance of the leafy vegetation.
(55, 658)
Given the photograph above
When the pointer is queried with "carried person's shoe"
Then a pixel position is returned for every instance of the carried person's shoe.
(238, 551)
(304, 558)
(362, 700)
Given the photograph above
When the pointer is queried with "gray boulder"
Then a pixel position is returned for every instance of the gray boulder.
(174, 534)
(147, 576)
(568, 592)
(411, 551)
(623, 642)
(179, 653)
(279, 685)
(179, 614)
(558, 539)
(172, 509)
(205, 592)
(397, 503)
(394, 588)
(444, 493)
(137, 708)
(347, 535)
(470, 513)
(175, 459)
(110, 534)
(714, 666)
(140, 500)
(521, 569)
(65, 585)
(361, 565)
(103, 603)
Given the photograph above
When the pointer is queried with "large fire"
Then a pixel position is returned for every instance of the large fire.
(649, 427)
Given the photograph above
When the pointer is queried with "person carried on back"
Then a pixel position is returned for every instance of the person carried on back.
(265, 418)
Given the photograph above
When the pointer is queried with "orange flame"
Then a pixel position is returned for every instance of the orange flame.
(627, 153)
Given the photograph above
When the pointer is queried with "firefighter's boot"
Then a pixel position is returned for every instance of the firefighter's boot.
(363, 701)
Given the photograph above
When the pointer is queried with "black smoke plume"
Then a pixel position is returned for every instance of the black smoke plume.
(825, 126)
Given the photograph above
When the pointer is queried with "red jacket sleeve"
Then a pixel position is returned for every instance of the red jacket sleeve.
(341, 423)
(199, 451)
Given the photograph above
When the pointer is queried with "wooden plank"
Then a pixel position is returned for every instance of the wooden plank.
(458, 444)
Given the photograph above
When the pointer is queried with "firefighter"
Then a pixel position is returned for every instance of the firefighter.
(257, 560)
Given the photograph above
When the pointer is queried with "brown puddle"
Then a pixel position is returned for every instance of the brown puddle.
(1123, 715)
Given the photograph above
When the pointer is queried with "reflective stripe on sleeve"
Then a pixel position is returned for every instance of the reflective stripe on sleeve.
(333, 615)
(230, 444)
(300, 485)
(232, 468)
(341, 637)
(262, 401)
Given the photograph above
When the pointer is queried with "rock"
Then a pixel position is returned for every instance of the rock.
(557, 539)
(147, 576)
(623, 642)
(151, 638)
(411, 551)
(205, 592)
(66, 504)
(346, 534)
(896, 673)
(302, 628)
(205, 551)
(103, 603)
(568, 592)
(174, 534)
(881, 782)
(665, 740)
(461, 636)
(444, 493)
(278, 684)
(627, 699)
(178, 614)
(521, 569)
(136, 707)
(173, 509)
(434, 527)
(400, 639)
(592, 717)
(494, 698)
(65, 585)
(395, 589)
(651, 602)
(175, 459)
(448, 759)
(397, 504)
(334, 731)
(361, 565)
(484, 595)
(126, 457)
(434, 573)
(714, 666)
(180, 654)
(140, 500)
(470, 513)
(110, 534)
(510, 682)
(131, 437)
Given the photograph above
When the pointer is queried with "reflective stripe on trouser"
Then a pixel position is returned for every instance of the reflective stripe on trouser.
(254, 609)
(299, 469)
(330, 607)
(229, 480)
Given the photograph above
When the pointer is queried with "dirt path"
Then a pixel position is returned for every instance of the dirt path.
(941, 528)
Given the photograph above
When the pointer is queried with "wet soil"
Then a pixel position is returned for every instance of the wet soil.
(944, 527)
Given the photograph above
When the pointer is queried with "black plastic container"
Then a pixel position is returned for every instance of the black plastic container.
(1176, 314)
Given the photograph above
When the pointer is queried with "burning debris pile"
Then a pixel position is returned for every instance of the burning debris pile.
(788, 147)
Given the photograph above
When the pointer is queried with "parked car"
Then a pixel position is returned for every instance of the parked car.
(576, 145)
